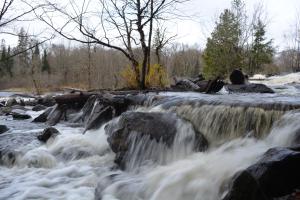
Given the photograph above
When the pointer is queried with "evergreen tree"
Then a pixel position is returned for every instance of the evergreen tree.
(23, 44)
(262, 51)
(222, 53)
(9, 62)
(45, 63)
(2, 59)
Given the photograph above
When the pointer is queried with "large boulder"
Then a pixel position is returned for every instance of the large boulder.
(275, 175)
(249, 88)
(3, 129)
(139, 126)
(237, 77)
(47, 134)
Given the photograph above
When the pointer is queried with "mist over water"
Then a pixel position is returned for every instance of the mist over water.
(77, 166)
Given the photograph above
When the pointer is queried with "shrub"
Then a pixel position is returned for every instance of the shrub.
(156, 77)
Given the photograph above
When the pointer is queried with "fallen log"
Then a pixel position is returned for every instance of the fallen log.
(73, 98)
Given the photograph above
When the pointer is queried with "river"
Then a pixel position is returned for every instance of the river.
(239, 127)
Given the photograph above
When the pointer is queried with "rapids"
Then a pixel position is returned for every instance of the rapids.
(239, 128)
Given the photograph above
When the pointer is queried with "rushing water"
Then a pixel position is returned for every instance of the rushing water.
(239, 128)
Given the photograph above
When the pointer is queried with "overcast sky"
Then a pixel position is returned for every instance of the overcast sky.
(281, 14)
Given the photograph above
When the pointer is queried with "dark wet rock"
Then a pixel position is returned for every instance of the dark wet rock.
(3, 129)
(43, 117)
(198, 85)
(160, 127)
(11, 102)
(22, 102)
(47, 134)
(86, 110)
(214, 86)
(275, 175)
(237, 77)
(39, 107)
(2, 104)
(249, 88)
(56, 114)
(105, 108)
(47, 101)
(245, 187)
(19, 116)
(100, 115)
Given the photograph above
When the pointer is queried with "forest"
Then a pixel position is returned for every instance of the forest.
(139, 52)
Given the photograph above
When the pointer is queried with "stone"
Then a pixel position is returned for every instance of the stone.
(39, 107)
(249, 88)
(47, 134)
(3, 129)
(11, 102)
(56, 114)
(160, 127)
(48, 101)
(275, 175)
(43, 117)
(237, 77)
(19, 116)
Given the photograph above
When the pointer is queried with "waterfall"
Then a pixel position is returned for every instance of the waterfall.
(223, 123)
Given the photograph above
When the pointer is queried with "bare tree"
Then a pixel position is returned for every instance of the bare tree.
(122, 25)
(13, 11)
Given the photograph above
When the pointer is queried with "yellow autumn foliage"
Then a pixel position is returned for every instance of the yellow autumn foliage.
(156, 77)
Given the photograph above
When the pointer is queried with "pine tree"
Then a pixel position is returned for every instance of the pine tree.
(23, 44)
(262, 51)
(9, 62)
(45, 63)
(2, 60)
(222, 53)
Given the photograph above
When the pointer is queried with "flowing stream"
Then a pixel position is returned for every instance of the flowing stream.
(239, 128)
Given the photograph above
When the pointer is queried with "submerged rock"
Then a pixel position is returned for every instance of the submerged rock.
(275, 175)
(249, 88)
(47, 134)
(134, 126)
(3, 129)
